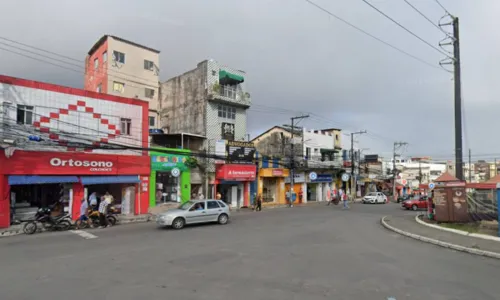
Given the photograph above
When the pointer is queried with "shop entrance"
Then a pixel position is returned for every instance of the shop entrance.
(123, 195)
(232, 194)
(167, 187)
(311, 192)
(26, 199)
(269, 189)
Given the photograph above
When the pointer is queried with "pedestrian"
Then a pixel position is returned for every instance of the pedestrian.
(258, 207)
(301, 195)
(343, 196)
(103, 209)
(333, 196)
(84, 207)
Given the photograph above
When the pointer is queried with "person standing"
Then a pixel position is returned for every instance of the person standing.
(84, 207)
(343, 196)
(258, 207)
(103, 209)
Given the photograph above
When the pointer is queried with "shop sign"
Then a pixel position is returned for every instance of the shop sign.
(278, 172)
(240, 152)
(220, 151)
(237, 172)
(92, 165)
(298, 178)
(168, 162)
(227, 131)
(323, 178)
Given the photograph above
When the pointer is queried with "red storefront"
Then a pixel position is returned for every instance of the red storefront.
(233, 182)
(29, 179)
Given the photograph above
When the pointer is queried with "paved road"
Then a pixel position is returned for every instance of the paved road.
(309, 253)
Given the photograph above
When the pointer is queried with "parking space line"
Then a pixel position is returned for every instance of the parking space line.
(84, 234)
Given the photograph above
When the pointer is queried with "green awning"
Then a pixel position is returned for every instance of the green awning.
(225, 76)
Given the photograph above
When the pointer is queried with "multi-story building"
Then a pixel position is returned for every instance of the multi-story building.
(316, 156)
(123, 68)
(68, 143)
(211, 101)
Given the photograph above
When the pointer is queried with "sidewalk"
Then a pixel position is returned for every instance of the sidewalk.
(407, 226)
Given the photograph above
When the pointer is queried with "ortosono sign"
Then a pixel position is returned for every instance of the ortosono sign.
(95, 165)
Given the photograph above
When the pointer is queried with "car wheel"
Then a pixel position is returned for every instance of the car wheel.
(178, 223)
(414, 207)
(223, 219)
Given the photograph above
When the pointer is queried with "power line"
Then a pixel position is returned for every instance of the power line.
(371, 35)
(67, 57)
(441, 5)
(406, 29)
(425, 17)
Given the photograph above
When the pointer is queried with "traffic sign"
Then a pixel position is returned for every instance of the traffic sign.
(431, 185)
(345, 177)
(175, 172)
(404, 181)
(313, 176)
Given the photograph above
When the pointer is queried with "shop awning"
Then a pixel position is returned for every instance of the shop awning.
(225, 77)
(89, 180)
(34, 179)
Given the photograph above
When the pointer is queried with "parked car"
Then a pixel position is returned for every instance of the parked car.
(403, 198)
(376, 197)
(195, 212)
(415, 203)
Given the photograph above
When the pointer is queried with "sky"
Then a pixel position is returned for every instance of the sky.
(298, 59)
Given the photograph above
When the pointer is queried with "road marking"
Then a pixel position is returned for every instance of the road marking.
(84, 234)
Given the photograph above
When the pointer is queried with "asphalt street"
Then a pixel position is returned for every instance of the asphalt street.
(313, 252)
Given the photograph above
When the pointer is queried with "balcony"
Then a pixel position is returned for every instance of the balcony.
(230, 94)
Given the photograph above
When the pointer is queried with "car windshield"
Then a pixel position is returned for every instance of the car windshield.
(186, 205)
(372, 194)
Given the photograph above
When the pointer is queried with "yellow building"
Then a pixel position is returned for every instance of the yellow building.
(271, 185)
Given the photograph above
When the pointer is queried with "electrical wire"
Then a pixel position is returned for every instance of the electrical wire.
(67, 57)
(404, 28)
(371, 35)
(425, 17)
(441, 5)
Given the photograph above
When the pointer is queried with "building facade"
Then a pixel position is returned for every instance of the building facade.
(123, 68)
(210, 101)
(317, 160)
(67, 143)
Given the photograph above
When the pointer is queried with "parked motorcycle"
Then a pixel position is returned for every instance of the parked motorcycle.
(95, 221)
(49, 223)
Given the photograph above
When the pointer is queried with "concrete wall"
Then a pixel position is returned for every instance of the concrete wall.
(183, 103)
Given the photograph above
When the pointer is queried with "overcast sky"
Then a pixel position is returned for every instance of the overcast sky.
(298, 59)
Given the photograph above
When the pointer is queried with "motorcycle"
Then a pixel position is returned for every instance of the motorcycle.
(49, 223)
(95, 220)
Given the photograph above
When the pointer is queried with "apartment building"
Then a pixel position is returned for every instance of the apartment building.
(123, 68)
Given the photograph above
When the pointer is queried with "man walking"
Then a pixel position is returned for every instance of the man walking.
(258, 207)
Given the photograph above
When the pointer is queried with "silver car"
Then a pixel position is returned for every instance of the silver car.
(195, 212)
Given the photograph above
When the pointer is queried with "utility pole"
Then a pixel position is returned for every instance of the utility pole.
(292, 157)
(353, 182)
(397, 145)
(419, 173)
(459, 160)
(470, 173)
(458, 101)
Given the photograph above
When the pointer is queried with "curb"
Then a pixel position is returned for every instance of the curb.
(440, 243)
(461, 232)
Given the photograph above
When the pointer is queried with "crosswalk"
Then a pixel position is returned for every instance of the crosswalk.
(84, 234)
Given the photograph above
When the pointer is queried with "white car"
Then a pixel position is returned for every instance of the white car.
(376, 197)
(195, 212)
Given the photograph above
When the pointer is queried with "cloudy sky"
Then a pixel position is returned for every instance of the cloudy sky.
(298, 59)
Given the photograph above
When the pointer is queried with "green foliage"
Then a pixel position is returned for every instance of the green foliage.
(216, 88)
(191, 162)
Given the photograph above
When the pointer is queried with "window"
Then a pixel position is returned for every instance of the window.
(227, 112)
(105, 56)
(118, 87)
(149, 93)
(99, 88)
(222, 204)
(212, 205)
(96, 64)
(148, 65)
(336, 137)
(119, 57)
(126, 126)
(308, 152)
(24, 114)
(152, 122)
